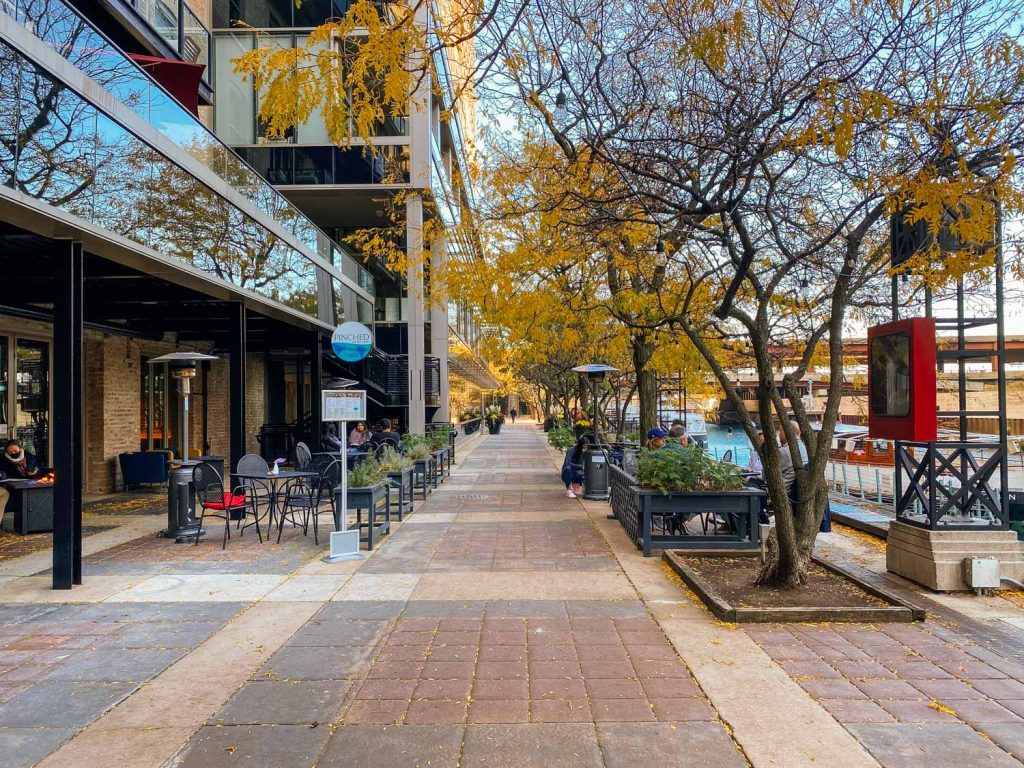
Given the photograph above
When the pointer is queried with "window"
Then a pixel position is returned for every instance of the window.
(890, 375)
(236, 100)
(32, 397)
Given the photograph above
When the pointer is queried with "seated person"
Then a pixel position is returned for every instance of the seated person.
(384, 436)
(572, 468)
(677, 435)
(358, 436)
(17, 463)
(656, 438)
(330, 439)
(754, 465)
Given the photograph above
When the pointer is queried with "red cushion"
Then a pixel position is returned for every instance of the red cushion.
(231, 501)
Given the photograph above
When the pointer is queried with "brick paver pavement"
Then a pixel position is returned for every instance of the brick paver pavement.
(532, 673)
(909, 693)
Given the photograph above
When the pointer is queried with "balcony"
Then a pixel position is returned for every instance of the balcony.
(167, 29)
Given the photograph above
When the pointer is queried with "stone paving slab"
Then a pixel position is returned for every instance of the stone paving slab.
(411, 746)
(219, 587)
(24, 747)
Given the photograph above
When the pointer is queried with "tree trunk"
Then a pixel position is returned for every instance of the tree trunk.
(642, 348)
(622, 412)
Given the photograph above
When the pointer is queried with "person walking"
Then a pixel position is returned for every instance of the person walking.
(512, 413)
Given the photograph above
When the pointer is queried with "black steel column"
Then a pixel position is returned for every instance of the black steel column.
(237, 353)
(205, 373)
(67, 416)
(300, 387)
(316, 372)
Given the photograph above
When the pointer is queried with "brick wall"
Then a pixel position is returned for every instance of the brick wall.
(255, 400)
(113, 392)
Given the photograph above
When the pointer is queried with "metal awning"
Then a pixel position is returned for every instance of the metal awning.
(466, 364)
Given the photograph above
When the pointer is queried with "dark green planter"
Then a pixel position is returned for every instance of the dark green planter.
(402, 483)
(739, 509)
(373, 500)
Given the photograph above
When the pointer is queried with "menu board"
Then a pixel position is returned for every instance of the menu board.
(344, 405)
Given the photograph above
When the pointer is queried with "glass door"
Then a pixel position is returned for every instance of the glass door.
(32, 397)
(5, 423)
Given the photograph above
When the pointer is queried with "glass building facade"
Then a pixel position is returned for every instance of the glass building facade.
(68, 152)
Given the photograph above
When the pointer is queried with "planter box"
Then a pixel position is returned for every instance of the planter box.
(423, 476)
(442, 465)
(374, 500)
(495, 429)
(470, 426)
(739, 509)
(402, 482)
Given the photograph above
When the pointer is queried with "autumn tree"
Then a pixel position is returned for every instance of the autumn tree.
(770, 143)
(767, 144)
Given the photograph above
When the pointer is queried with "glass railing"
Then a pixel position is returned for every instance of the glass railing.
(74, 38)
(176, 23)
(161, 16)
(73, 157)
(195, 41)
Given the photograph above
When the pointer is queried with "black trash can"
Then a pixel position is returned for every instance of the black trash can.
(181, 502)
(595, 473)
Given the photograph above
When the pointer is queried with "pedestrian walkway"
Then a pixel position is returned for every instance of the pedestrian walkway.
(496, 628)
(500, 625)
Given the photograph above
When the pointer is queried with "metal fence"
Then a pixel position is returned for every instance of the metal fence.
(624, 502)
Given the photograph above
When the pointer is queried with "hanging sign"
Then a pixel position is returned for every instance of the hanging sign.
(343, 405)
(352, 341)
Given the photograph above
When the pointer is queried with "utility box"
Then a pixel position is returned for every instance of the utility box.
(981, 572)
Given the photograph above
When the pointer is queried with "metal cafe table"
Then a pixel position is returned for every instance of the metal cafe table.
(274, 482)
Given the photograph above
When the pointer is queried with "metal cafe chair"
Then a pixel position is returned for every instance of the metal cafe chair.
(254, 464)
(302, 456)
(307, 495)
(210, 495)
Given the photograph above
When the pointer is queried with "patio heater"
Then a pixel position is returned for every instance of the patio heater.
(181, 523)
(595, 460)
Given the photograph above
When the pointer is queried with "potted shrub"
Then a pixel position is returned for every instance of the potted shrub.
(367, 488)
(679, 482)
(399, 469)
(561, 437)
(494, 419)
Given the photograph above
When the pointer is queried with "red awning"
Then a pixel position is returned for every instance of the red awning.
(181, 78)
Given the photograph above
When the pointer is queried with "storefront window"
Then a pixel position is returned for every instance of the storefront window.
(32, 398)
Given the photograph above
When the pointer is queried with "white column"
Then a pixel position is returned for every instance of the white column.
(439, 319)
(414, 278)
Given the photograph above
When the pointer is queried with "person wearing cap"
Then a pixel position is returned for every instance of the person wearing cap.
(656, 438)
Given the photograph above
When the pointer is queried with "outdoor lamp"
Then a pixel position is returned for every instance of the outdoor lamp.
(561, 104)
(183, 368)
(595, 372)
(660, 258)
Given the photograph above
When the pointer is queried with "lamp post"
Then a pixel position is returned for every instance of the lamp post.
(181, 522)
(595, 461)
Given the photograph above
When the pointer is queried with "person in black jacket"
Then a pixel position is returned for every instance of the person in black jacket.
(17, 463)
(572, 468)
(384, 436)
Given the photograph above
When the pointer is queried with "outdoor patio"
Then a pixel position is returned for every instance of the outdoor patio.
(500, 625)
